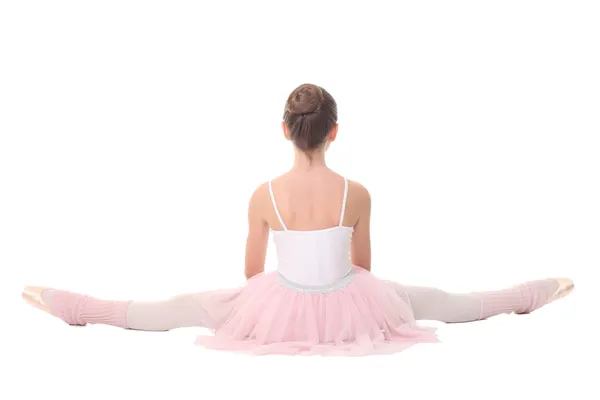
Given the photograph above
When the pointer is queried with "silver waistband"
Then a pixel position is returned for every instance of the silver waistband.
(340, 283)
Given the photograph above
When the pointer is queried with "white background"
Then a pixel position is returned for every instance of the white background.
(133, 133)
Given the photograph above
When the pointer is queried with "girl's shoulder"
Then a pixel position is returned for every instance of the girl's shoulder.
(358, 189)
(355, 189)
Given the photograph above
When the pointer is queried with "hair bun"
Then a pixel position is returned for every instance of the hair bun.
(306, 99)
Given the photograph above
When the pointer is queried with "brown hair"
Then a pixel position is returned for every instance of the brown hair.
(310, 113)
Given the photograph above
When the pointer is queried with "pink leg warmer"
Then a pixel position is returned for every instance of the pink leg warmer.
(78, 309)
(523, 298)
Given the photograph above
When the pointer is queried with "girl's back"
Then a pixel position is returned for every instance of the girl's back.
(314, 258)
(312, 200)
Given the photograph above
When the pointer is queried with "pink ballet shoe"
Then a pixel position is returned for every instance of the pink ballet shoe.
(565, 287)
(33, 296)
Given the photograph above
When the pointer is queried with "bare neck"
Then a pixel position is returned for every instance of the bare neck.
(304, 163)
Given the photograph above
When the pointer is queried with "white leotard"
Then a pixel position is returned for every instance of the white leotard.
(315, 260)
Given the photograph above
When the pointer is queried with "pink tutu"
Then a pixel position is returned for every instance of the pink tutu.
(367, 316)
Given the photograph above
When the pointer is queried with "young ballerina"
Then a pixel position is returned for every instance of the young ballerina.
(322, 299)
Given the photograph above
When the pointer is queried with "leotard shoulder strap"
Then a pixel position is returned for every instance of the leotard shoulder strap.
(344, 201)
(275, 206)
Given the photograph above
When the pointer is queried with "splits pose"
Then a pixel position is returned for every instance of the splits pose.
(323, 298)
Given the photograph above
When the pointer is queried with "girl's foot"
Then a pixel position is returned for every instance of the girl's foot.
(564, 287)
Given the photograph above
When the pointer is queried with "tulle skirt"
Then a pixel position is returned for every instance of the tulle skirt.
(366, 316)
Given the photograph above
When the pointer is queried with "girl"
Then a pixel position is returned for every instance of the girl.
(322, 299)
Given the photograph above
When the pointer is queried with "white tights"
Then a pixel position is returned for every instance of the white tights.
(438, 305)
(181, 311)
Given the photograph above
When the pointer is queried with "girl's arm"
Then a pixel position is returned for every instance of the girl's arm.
(361, 238)
(258, 235)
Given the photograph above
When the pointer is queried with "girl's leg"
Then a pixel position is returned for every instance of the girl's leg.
(204, 309)
(438, 305)
(181, 311)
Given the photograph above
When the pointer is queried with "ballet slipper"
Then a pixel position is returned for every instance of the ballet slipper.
(33, 296)
(565, 287)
